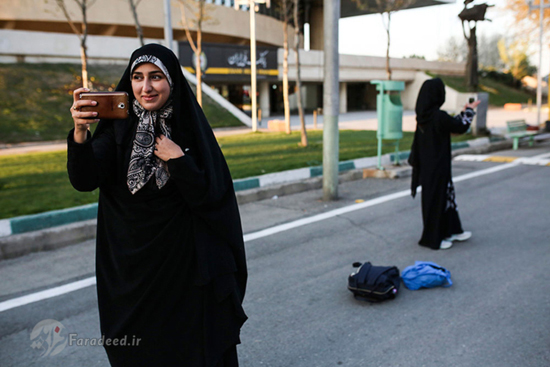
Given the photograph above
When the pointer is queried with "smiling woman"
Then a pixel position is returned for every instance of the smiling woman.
(170, 261)
(150, 86)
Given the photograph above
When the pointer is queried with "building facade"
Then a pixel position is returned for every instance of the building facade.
(37, 31)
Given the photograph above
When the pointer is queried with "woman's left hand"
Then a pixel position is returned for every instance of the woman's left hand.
(166, 149)
(472, 105)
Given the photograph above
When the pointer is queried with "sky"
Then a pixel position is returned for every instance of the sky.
(423, 31)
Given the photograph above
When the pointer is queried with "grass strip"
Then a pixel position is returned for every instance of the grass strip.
(36, 99)
(38, 182)
(499, 93)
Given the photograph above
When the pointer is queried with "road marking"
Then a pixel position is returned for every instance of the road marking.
(500, 159)
(540, 160)
(71, 287)
(48, 293)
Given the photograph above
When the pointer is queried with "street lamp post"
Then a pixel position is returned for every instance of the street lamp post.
(252, 9)
(331, 100)
(168, 36)
(541, 6)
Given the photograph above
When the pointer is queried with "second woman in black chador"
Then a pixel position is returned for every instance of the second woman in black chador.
(431, 161)
(170, 261)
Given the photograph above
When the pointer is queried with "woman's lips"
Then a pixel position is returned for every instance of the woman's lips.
(149, 98)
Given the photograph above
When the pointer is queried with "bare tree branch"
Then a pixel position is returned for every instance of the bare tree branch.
(81, 34)
(61, 5)
(186, 27)
(388, 7)
(139, 30)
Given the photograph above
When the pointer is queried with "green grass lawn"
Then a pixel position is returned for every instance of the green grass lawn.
(38, 182)
(36, 99)
(499, 93)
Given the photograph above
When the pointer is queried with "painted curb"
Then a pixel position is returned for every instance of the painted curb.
(55, 218)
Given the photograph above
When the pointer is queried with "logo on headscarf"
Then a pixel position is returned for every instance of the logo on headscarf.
(49, 337)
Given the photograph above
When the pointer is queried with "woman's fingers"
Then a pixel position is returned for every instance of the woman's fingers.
(472, 105)
(84, 115)
(82, 119)
(77, 105)
(77, 92)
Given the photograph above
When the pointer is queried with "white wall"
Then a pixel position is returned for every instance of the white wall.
(57, 47)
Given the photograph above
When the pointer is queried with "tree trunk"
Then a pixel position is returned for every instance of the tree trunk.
(84, 60)
(139, 31)
(298, 80)
(388, 70)
(285, 69)
(83, 48)
(198, 70)
(472, 64)
(82, 35)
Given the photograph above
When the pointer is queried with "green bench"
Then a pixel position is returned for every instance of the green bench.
(517, 129)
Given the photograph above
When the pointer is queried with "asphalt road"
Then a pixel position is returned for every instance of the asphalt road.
(301, 314)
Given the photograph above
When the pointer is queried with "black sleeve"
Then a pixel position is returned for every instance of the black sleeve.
(458, 124)
(190, 178)
(92, 163)
(414, 161)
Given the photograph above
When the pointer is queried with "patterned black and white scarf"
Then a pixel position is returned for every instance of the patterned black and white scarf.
(143, 162)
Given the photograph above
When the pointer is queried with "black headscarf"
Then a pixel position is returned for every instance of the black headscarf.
(430, 99)
(217, 226)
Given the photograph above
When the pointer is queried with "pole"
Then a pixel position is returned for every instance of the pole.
(253, 64)
(539, 76)
(331, 99)
(168, 37)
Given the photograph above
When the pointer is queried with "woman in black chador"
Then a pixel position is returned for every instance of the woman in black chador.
(431, 161)
(170, 261)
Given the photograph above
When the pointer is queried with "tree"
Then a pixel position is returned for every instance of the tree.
(385, 7)
(527, 22)
(298, 79)
(415, 56)
(133, 6)
(514, 55)
(286, 8)
(472, 15)
(489, 56)
(453, 51)
(82, 33)
(199, 10)
(456, 50)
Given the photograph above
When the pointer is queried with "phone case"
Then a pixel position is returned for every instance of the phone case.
(110, 105)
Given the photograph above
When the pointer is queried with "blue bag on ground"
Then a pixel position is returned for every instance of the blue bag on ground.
(425, 274)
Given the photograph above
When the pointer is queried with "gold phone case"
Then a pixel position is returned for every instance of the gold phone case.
(110, 105)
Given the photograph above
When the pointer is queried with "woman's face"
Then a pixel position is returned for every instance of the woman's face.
(150, 86)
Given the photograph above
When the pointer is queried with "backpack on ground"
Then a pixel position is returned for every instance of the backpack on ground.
(374, 283)
(426, 274)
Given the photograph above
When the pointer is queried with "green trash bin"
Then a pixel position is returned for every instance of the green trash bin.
(390, 114)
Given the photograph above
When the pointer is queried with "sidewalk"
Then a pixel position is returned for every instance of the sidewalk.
(358, 120)
(57, 145)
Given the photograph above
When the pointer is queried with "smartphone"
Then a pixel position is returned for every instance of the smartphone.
(110, 105)
(471, 100)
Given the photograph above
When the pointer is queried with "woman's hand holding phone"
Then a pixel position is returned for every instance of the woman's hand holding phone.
(82, 120)
(472, 105)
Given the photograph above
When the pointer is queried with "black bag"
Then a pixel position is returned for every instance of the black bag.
(374, 283)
